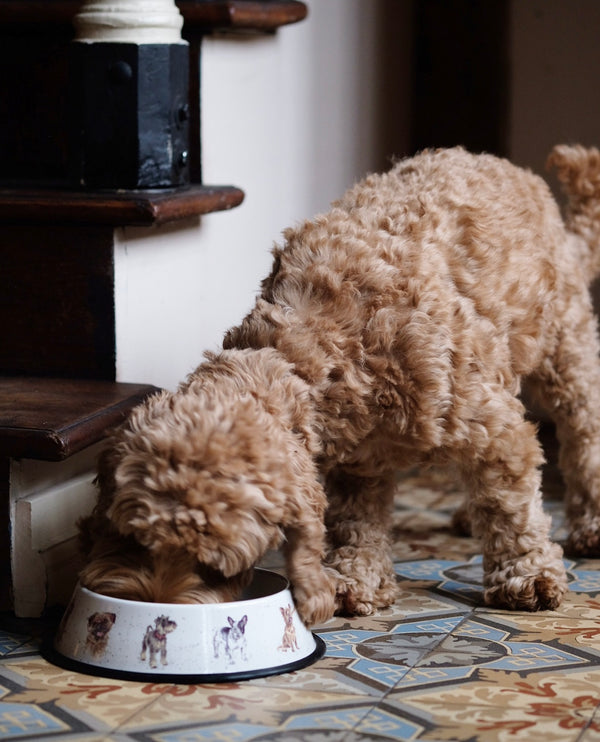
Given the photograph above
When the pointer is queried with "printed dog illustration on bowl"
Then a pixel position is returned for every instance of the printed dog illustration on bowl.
(289, 640)
(98, 628)
(155, 640)
(231, 640)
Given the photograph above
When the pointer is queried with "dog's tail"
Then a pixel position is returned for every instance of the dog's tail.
(578, 170)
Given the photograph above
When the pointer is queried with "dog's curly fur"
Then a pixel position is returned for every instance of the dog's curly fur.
(396, 329)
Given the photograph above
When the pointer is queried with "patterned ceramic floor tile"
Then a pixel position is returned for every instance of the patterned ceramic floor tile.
(11, 644)
(556, 629)
(458, 580)
(338, 727)
(84, 702)
(90, 737)
(506, 705)
(243, 711)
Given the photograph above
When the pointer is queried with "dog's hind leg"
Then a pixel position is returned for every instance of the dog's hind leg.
(358, 520)
(523, 569)
(569, 385)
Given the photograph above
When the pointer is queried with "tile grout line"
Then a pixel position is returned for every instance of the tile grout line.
(581, 736)
(431, 650)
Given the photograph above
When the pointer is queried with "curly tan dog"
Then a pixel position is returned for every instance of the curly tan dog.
(394, 330)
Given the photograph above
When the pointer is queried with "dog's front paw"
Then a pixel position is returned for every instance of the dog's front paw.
(315, 604)
(524, 585)
(355, 599)
(364, 579)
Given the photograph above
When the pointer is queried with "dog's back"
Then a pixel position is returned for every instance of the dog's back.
(417, 287)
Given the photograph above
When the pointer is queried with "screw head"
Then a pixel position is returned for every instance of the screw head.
(120, 72)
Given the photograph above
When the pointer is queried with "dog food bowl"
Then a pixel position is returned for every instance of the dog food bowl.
(261, 634)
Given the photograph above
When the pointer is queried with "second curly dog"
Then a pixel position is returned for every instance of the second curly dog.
(394, 330)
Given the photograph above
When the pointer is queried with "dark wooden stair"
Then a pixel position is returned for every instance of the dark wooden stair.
(51, 419)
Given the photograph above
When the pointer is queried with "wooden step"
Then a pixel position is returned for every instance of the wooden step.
(204, 15)
(114, 208)
(51, 419)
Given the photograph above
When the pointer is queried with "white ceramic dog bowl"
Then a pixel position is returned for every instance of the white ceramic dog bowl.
(260, 634)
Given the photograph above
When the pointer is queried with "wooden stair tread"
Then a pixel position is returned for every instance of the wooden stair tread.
(208, 15)
(116, 208)
(50, 419)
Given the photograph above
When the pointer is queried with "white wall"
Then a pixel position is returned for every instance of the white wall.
(290, 118)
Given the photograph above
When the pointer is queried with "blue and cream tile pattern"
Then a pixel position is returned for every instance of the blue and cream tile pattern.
(436, 666)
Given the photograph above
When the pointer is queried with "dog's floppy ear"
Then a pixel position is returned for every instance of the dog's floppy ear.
(225, 524)
(156, 522)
